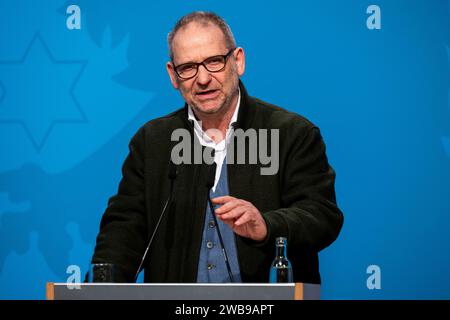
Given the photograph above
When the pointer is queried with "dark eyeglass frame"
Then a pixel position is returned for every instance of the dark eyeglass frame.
(197, 64)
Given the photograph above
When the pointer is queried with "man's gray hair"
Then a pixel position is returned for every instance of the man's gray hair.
(203, 18)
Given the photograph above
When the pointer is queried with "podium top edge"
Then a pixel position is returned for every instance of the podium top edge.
(174, 284)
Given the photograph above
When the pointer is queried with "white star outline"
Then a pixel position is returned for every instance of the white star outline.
(3, 92)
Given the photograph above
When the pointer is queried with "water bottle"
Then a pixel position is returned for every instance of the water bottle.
(281, 269)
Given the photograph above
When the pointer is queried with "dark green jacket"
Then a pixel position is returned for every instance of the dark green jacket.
(298, 202)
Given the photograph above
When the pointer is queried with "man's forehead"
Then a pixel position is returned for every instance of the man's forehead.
(197, 41)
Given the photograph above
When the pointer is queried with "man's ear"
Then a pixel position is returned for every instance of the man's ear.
(172, 75)
(240, 60)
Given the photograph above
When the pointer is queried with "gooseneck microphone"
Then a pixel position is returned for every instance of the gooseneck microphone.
(209, 185)
(172, 175)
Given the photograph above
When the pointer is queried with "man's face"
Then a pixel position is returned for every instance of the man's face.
(207, 92)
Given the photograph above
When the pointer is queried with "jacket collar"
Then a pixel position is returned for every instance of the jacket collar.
(246, 110)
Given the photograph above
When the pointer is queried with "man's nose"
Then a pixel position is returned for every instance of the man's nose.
(203, 75)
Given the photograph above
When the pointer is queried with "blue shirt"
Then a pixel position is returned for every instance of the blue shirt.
(211, 265)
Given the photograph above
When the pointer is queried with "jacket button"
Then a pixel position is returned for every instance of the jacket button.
(212, 224)
(210, 266)
(209, 244)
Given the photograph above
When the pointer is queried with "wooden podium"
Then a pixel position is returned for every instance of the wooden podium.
(182, 291)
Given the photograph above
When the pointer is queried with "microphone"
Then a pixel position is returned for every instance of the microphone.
(209, 185)
(172, 175)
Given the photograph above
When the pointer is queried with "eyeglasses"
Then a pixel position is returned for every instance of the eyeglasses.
(189, 70)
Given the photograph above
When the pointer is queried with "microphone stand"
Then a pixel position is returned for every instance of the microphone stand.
(172, 176)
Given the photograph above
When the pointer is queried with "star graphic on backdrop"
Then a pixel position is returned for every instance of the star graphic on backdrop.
(36, 92)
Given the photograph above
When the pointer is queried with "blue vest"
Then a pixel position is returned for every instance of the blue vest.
(211, 265)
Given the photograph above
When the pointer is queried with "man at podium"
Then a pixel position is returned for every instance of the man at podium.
(207, 189)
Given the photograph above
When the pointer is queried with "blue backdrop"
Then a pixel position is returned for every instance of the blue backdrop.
(70, 100)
